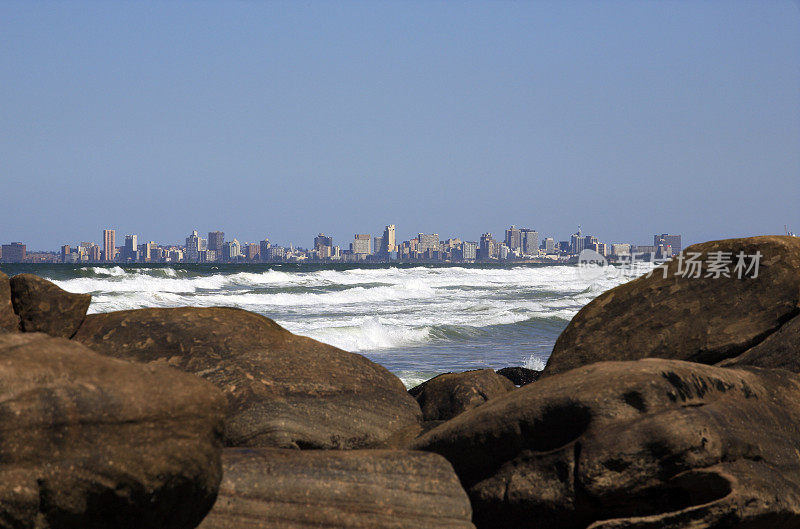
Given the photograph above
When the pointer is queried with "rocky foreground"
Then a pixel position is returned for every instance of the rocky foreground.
(672, 401)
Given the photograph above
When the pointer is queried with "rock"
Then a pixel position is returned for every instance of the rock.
(447, 395)
(283, 390)
(9, 321)
(358, 489)
(520, 376)
(635, 445)
(780, 349)
(95, 442)
(44, 307)
(704, 320)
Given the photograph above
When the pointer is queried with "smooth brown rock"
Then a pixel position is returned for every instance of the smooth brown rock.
(359, 489)
(520, 376)
(283, 390)
(9, 321)
(780, 349)
(93, 442)
(447, 395)
(45, 307)
(647, 444)
(704, 320)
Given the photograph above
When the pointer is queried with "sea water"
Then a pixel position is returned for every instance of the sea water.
(416, 320)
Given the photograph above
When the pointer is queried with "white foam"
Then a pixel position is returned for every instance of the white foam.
(367, 334)
(535, 363)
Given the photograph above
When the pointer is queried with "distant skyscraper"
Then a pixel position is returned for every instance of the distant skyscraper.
(427, 241)
(231, 250)
(389, 242)
(321, 240)
(488, 246)
(193, 247)
(65, 251)
(513, 238)
(251, 251)
(109, 248)
(668, 240)
(215, 241)
(361, 244)
(377, 244)
(131, 248)
(275, 253)
(549, 245)
(263, 246)
(14, 252)
(577, 242)
(469, 250)
(529, 240)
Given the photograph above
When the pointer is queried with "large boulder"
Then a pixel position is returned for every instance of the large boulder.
(95, 442)
(44, 307)
(283, 390)
(9, 321)
(447, 395)
(358, 489)
(699, 319)
(652, 444)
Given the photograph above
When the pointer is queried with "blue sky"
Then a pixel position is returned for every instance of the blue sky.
(284, 119)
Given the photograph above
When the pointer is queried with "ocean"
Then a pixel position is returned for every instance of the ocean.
(416, 320)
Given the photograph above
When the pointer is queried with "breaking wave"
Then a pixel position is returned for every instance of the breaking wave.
(418, 321)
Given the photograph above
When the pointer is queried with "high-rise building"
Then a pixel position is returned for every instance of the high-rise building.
(469, 250)
(427, 241)
(321, 240)
(193, 247)
(529, 240)
(109, 248)
(263, 246)
(488, 247)
(215, 241)
(361, 244)
(231, 250)
(668, 240)
(131, 248)
(377, 244)
(549, 245)
(513, 238)
(14, 252)
(577, 242)
(275, 253)
(389, 243)
(65, 251)
(251, 251)
(93, 252)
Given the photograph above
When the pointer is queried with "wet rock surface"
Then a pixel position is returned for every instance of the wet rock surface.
(283, 390)
(647, 444)
(520, 376)
(704, 319)
(94, 442)
(361, 489)
(445, 396)
(44, 307)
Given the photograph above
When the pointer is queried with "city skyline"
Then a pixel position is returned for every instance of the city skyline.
(517, 243)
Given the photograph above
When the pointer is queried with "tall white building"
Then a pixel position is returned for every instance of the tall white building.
(389, 241)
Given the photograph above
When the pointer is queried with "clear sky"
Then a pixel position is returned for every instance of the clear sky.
(284, 119)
